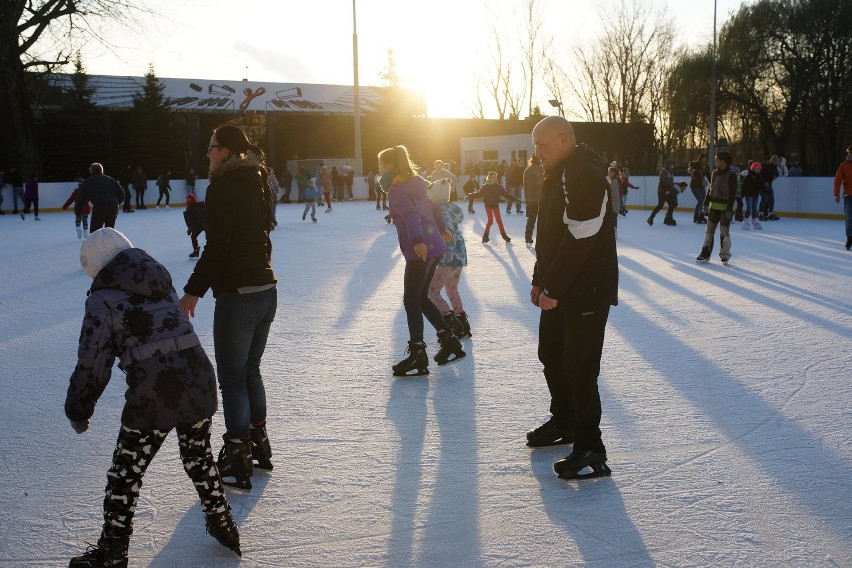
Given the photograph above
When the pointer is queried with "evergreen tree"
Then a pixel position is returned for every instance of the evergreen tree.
(155, 139)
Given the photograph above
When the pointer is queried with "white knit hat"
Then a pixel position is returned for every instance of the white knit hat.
(439, 191)
(101, 247)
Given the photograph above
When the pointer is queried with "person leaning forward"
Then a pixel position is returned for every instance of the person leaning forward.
(104, 193)
(575, 281)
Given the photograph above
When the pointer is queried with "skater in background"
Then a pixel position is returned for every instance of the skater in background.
(302, 182)
(236, 264)
(843, 178)
(719, 207)
(125, 180)
(190, 182)
(614, 183)
(132, 313)
(470, 186)
(491, 192)
(448, 274)
(140, 184)
(419, 227)
(666, 195)
(105, 194)
(274, 187)
(624, 178)
(514, 184)
(31, 196)
(769, 173)
(311, 196)
(194, 218)
(323, 181)
(533, 177)
(163, 184)
(575, 281)
(81, 221)
(751, 183)
(698, 185)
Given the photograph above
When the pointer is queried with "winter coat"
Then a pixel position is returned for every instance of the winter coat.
(140, 181)
(31, 189)
(194, 216)
(73, 199)
(532, 183)
(843, 177)
(101, 190)
(133, 313)
(490, 194)
(456, 254)
(751, 184)
(416, 218)
(576, 259)
(311, 193)
(665, 186)
(723, 190)
(238, 252)
(614, 194)
(470, 186)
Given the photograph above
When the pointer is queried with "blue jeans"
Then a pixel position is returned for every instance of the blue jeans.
(241, 325)
(751, 202)
(699, 194)
(847, 210)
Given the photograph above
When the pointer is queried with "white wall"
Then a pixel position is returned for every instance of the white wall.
(798, 196)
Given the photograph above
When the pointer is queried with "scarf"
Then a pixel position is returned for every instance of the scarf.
(387, 179)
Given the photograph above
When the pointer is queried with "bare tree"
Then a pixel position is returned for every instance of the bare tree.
(534, 47)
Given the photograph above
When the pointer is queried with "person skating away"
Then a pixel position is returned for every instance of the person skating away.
(31, 197)
(624, 178)
(140, 184)
(421, 234)
(575, 281)
(719, 208)
(81, 221)
(491, 192)
(194, 218)
(323, 182)
(470, 186)
(751, 184)
(104, 193)
(666, 195)
(311, 196)
(448, 274)
(843, 178)
(163, 184)
(533, 177)
(236, 264)
(133, 314)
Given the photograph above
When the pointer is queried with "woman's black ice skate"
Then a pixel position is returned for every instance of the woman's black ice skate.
(261, 451)
(416, 361)
(223, 528)
(455, 324)
(462, 317)
(578, 464)
(235, 461)
(451, 349)
(108, 552)
(506, 237)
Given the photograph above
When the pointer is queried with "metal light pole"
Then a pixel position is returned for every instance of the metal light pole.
(712, 154)
(557, 104)
(358, 159)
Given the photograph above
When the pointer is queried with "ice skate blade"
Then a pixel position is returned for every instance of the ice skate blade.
(597, 470)
(455, 357)
(265, 465)
(242, 484)
(558, 442)
(416, 373)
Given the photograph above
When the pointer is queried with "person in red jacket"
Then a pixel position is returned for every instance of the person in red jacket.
(83, 218)
(843, 177)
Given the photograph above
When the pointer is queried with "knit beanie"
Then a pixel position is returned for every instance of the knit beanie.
(439, 191)
(754, 167)
(100, 248)
(191, 199)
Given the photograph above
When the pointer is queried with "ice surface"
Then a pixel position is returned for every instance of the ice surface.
(726, 395)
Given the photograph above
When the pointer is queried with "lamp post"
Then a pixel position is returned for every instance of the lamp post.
(712, 152)
(556, 103)
(357, 94)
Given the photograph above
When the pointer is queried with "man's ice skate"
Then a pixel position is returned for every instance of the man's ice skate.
(110, 551)
(549, 434)
(223, 528)
(195, 252)
(451, 349)
(506, 237)
(582, 464)
(261, 450)
(669, 221)
(79, 233)
(235, 461)
(416, 361)
(704, 256)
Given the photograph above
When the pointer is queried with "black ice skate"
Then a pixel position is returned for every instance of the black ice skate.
(451, 349)
(455, 324)
(416, 361)
(195, 252)
(462, 317)
(578, 464)
(235, 461)
(261, 451)
(549, 434)
(704, 255)
(223, 528)
(669, 221)
(485, 238)
(506, 237)
(110, 551)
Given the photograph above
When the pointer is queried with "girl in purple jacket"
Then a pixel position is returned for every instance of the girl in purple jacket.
(420, 228)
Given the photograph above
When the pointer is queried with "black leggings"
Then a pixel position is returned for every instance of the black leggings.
(415, 297)
(163, 192)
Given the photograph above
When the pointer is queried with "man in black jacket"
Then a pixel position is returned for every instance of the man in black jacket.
(575, 281)
(104, 193)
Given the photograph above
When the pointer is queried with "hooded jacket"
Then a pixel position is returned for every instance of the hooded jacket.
(576, 261)
(238, 251)
(416, 218)
(132, 312)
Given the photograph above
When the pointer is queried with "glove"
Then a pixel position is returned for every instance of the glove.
(81, 426)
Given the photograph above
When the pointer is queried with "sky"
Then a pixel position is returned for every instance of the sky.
(439, 45)
(725, 394)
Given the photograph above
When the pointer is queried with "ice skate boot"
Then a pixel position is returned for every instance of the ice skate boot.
(746, 225)
(549, 434)
(79, 233)
(650, 221)
(235, 461)
(261, 451)
(755, 224)
(704, 256)
(223, 528)
(576, 465)
(451, 349)
(304, 215)
(669, 221)
(416, 361)
(462, 317)
(313, 218)
(506, 237)
(110, 551)
(195, 252)
(485, 238)
(455, 324)
(848, 243)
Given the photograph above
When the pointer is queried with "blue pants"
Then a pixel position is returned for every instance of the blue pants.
(241, 325)
(751, 206)
(699, 194)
